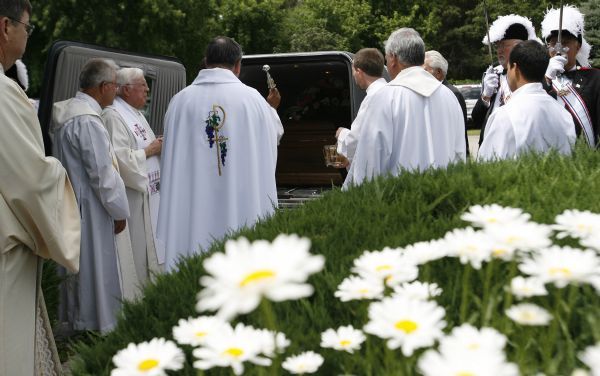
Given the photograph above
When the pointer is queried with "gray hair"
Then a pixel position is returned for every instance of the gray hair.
(407, 46)
(96, 71)
(437, 61)
(127, 75)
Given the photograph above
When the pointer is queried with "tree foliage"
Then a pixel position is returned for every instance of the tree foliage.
(182, 28)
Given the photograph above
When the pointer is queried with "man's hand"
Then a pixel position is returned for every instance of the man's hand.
(154, 148)
(556, 66)
(274, 99)
(120, 225)
(490, 82)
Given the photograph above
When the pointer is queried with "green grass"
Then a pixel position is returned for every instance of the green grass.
(396, 212)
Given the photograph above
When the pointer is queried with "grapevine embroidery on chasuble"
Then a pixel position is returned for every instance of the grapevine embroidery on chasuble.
(214, 124)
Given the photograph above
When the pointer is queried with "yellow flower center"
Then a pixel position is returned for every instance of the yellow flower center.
(473, 346)
(345, 343)
(499, 252)
(527, 316)
(492, 220)
(200, 334)
(560, 272)
(363, 291)
(383, 267)
(235, 352)
(147, 364)
(512, 239)
(256, 277)
(465, 374)
(583, 227)
(407, 326)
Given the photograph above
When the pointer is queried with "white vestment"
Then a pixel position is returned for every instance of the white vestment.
(130, 133)
(218, 163)
(348, 138)
(531, 121)
(38, 219)
(414, 123)
(91, 299)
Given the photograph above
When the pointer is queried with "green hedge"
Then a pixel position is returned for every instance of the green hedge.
(394, 212)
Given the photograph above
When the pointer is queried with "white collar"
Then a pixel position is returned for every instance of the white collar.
(215, 76)
(532, 87)
(375, 84)
(417, 79)
(90, 101)
(1, 69)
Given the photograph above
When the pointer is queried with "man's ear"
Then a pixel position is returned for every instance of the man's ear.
(237, 68)
(4, 27)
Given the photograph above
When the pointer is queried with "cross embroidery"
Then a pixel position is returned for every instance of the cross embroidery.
(214, 123)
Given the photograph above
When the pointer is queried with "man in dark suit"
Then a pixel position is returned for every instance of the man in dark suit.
(504, 34)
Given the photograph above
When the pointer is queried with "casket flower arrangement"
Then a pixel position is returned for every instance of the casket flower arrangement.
(517, 322)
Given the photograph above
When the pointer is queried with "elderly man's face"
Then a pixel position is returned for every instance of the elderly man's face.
(503, 49)
(435, 72)
(135, 93)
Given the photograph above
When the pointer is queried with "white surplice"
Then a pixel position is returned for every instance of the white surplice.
(38, 219)
(531, 121)
(130, 134)
(91, 299)
(348, 138)
(414, 123)
(218, 163)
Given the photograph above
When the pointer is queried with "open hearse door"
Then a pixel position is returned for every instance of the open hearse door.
(165, 77)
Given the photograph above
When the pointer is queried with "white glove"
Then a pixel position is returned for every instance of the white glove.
(490, 82)
(556, 66)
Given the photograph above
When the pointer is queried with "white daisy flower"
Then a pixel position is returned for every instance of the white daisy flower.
(577, 224)
(307, 362)
(272, 342)
(433, 363)
(151, 358)
(387, 265)
(592, 241)
(591, 358)
(529, 314)
(356, 288)
(562, 265)
(483, 216)
(527, 287)
(246, 272)
(469, 246)
(424, 252)
(406, 323)
(345, 338)
(529, 236)
(193, 331)
(417, 290)
(232, 347)
(468, 339)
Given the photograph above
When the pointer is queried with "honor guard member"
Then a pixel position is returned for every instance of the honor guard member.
(576, 84)
(504, 34)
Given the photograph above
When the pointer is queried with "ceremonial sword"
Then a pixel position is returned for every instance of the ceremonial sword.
(487, 26)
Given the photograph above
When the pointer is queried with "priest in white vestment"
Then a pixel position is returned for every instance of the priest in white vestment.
(414, 122)
(91, 299)
(137, 150)
(38, 215)
(532, 120)
(367, 71)
(219, 156)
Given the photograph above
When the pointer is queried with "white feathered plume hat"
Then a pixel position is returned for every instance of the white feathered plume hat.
(22, 75)
(573, 23)
(510, 27)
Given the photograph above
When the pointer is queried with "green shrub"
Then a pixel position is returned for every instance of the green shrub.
(396, 212)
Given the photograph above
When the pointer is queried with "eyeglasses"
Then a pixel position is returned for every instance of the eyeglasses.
(28, 27)
(144, 85)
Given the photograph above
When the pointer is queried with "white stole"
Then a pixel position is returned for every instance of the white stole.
(139, 128)
(576, 106)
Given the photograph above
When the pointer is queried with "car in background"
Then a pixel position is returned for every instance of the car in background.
(471, 93)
